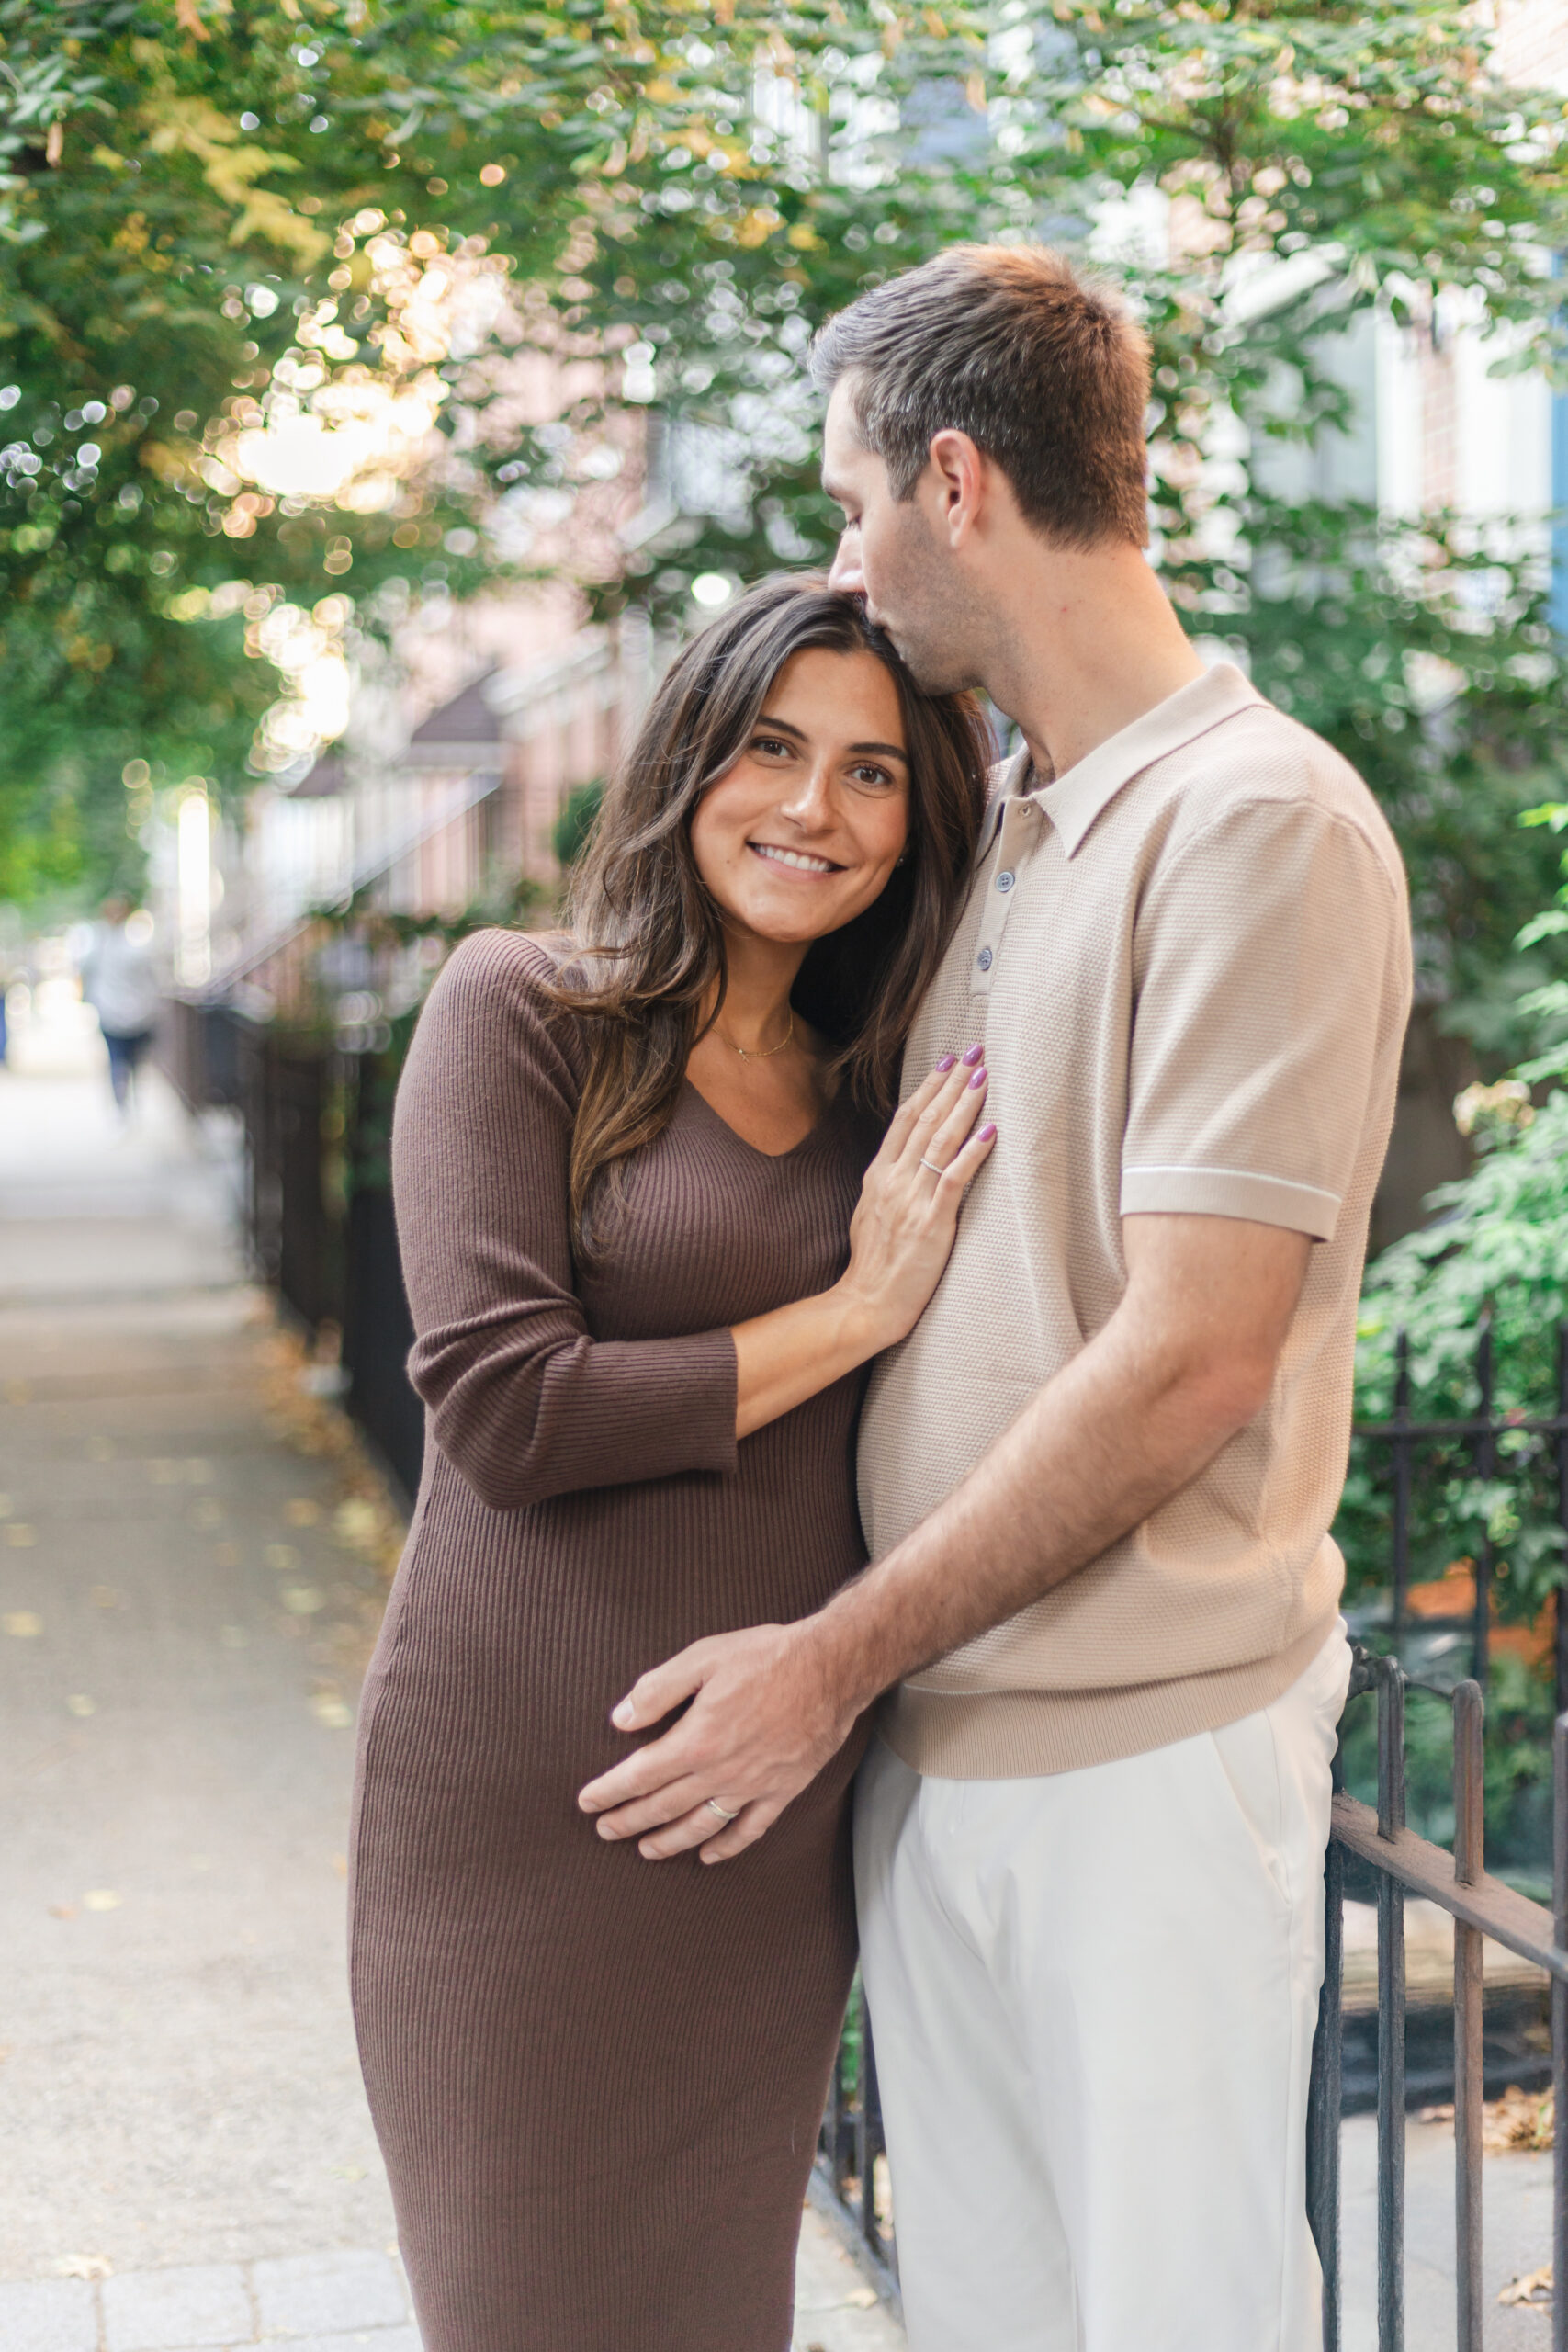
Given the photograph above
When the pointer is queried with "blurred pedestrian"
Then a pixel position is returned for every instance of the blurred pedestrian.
(121, 984)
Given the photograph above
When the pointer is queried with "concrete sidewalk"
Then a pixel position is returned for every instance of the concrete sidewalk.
(192, 1570)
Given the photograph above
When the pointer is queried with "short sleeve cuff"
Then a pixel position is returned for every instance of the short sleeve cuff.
(1230, 1192)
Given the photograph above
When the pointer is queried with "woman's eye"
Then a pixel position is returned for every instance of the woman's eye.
(870, 778)
(769, 743)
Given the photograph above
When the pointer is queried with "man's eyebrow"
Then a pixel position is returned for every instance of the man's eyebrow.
(838, 497)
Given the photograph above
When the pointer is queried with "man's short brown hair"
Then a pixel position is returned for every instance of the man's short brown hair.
(1047, 375)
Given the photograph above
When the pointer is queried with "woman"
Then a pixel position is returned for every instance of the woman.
(627, 1174)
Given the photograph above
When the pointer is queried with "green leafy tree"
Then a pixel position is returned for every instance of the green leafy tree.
(678, 197)
(203, 204)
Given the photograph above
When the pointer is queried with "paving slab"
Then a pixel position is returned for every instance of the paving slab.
(47, 2315)
(167, 2311)
(323, 2294)
(835, 2309)
(1516, 2207)
(375, 2340)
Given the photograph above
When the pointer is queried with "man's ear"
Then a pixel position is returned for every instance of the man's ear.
(963, 486)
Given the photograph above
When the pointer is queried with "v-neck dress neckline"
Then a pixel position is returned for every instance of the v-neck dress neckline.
(778, 1158)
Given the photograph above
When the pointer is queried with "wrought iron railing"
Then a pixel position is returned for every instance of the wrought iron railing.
(851, 2175)
(1481, 1434)
(1481, 1907)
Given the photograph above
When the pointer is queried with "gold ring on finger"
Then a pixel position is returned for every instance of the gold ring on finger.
(714, 1805)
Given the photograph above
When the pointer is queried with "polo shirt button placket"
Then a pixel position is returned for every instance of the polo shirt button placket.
(1019, 821)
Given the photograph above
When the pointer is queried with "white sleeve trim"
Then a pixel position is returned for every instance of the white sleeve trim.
(1230, 1192)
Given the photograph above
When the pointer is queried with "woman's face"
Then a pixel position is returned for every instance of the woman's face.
(801, 835)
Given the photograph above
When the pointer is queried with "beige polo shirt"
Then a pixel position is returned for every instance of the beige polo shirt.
(1188, 961)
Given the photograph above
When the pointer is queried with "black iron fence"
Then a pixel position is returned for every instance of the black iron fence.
(1489, 1438)
(851, 2174)
(318, 1209)
(1481, 1906)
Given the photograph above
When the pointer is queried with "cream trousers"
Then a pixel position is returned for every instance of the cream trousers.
(1093, 1998)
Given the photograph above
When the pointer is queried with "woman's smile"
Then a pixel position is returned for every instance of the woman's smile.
(797, 861)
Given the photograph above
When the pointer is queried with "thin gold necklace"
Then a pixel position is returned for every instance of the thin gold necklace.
(755, 1053)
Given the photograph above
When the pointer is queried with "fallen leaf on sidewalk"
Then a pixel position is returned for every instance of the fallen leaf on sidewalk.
(303, 1599)
(62, 1910)
(1535, 2286)
(19, 1533)
(83, 2266)
(1519, 2119)
(332, 1713)
(22, 1624)
(103, 1595)
(80, 1704)
(101, 1898)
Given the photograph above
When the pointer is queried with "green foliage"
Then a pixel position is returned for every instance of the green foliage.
(568, 835)
(177, 182)
(1497, 1250)
(679, 194)
(1491, 1266)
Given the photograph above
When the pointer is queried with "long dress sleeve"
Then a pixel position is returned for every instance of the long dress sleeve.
(523, 1401)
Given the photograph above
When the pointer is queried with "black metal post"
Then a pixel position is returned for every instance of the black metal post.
(1391, 2015)
(1563, 1515)
(1326, 2095)
(1469, 1863)
(868, 2131)
(1401, 1449)
(1485, 1466)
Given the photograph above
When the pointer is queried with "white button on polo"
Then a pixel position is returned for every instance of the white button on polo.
(1005, 881)
(985, 959)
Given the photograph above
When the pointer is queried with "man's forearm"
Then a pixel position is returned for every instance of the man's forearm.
(1185, 1362)
(1126, 1425)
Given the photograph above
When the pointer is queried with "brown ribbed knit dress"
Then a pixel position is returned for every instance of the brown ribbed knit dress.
(596, 2080)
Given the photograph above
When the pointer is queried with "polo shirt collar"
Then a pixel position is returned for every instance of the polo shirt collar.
(1074, 799)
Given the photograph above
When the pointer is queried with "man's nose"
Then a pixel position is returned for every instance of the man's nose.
(846, 574)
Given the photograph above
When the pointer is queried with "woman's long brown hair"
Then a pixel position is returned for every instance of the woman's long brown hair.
(647, 938)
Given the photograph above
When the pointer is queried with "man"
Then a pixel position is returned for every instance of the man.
(1098, 1478)
(121, 983)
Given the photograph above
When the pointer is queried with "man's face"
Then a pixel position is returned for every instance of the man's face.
(891, 553)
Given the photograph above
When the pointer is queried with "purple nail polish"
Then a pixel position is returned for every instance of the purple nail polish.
(973, 1056)
(986, 1132)
(948, 1061)
(981, 1075)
